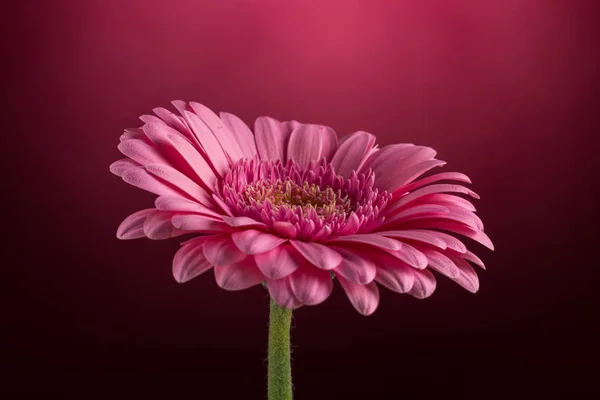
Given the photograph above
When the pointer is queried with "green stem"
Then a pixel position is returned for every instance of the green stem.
(280, 369)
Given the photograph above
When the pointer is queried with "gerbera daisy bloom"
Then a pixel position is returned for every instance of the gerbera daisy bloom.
(289, 205)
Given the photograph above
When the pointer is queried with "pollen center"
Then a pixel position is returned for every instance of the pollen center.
(325, 201)
(306, 203)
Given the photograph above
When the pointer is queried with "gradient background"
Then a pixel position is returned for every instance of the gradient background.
(506, 91)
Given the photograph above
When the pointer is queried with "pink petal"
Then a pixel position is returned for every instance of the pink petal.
(370, 239)
(393, 273)
(306, 143)
(424, 284)
(459, 228)
(394, 164)
(158, 226)
(365, 298)
(281, 291)
(219, 130)
(330, 143)
(199, 223)
(142, 179)
(285, 229)
(417, 212)
(311, 285)
(411, 173)
(120, 166)
(411, 256)
(271, 139)
(241, 133)
(222, 205)
(468, 277)
(141, 152)
(132, 227)
(220, 250)
(243, 222)
(180, 181)
(355, 267)
(318, 255)
(181, 151)
(279, 262)
(448, 200)
(189, 262)
(441, 263)
(473, 258)
(454, 176)
(135, 133)
(422, 236)
(172, 203)
(252, 241)
(439, 188)
(238, 276)
(352, 152)
(209, 142)
(172, 120)
(451, 242)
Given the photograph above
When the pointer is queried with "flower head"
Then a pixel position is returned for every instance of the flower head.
(287, 204)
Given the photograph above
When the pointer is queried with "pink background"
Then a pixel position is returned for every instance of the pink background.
(506, 91)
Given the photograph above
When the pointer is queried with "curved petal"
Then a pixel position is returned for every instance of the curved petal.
(199, 223)
(179, 204)
(132, 227)
(468, 277)
(364, 298)
(180, 181)
(271, 138)
(238, 276)
(120, 166)
(253, 242)
(352, 152)
(422, 236)
(242, 134)
(424, 284)
(411, 256)
(285, 229)
(438, 188)
(158, 226)
(141, 152)
(318, 255)
(393, 273)
(220, 130)
(441, 263)
(143, 179)
(279, 262)
(182, 152)
(243, 222)
(443, 176)
(189, 262)
(330, 143)
(410, 174)
(417, 212)
(456, 227)
(172, 120)
(469, 256)
(220, 250)
(376, 240)
(281, 291)
(306, 143)
(311, 285)
(354, 267)
(208, 141)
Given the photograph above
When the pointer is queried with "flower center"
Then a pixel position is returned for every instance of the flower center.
(303, 203)
(288, 194)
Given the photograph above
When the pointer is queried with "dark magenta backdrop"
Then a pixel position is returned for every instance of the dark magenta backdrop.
(506, 91)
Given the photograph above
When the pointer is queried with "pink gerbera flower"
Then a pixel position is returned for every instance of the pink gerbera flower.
(289, 205)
